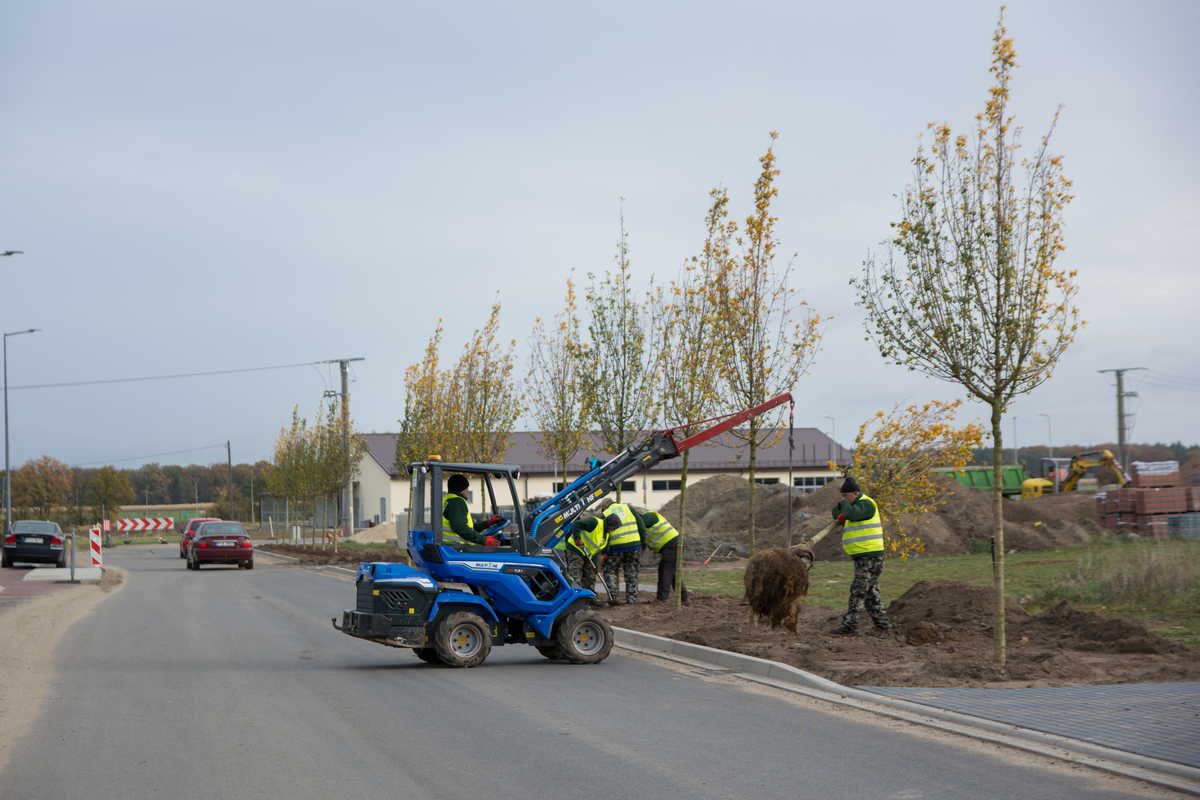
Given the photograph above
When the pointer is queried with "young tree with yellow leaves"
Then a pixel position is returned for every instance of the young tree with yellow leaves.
(424, 423)
(969, 290)
(482, 398)
(620, 381)
(690, 351)
(555, 386)
(765, 349)
(893, 456)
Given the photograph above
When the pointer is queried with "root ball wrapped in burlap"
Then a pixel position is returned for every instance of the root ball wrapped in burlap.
(776, 582)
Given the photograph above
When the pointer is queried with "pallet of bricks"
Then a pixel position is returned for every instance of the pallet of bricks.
(1154, 503)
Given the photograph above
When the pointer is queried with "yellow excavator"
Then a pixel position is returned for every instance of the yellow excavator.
(1074, 468)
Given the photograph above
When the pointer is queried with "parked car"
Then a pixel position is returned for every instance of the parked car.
(190, 530)
(221, 543)
(34, 540)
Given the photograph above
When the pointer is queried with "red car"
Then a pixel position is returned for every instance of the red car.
(190, 531)
(221, 543)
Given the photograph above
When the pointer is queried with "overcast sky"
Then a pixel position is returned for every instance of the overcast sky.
(216, 185)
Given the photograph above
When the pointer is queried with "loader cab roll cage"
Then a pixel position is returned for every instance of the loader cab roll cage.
(427, 489)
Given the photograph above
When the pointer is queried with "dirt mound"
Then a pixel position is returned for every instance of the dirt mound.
(310, 555)
(718, 513)
(951, 603)
(384, 532)
(1082, 630)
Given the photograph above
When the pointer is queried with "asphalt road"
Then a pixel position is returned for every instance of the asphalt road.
(232, 684)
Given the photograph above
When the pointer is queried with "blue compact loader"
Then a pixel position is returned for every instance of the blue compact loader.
(458, 601)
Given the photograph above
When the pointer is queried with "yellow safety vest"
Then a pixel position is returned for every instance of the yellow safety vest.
(865, 536)
(448, 535)
(660, 533)
(593, 541)
(627, 534)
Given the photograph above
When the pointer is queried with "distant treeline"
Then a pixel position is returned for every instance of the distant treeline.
(46, 488)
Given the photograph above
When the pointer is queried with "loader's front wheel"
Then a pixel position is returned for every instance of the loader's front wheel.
(462, 640)
(584, 637)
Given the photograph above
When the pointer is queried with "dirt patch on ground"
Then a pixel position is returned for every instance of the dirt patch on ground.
(718, 508)
(313, 555)
(943, 637)
(384, 532)
(29, 632)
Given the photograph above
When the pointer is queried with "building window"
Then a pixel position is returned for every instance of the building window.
(767, 481)
(628, 486)
(558, 486)
(664, 486)
(811, 483)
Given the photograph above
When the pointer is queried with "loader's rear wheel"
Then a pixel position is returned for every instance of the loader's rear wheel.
(584, 637)
(551, 651)
(462, 640)
(427, 654)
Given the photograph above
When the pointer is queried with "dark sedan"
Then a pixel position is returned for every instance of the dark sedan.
(34, 541)
(188, 532)
(221, 543)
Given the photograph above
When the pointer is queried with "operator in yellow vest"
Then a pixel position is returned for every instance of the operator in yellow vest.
(457, 526)
(586, 539)
(662, 538)
(624, 551)
(862, 539)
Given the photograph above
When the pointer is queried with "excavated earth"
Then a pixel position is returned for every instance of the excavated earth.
(943, 637)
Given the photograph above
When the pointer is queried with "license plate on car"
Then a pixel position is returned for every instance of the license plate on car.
(226, 544)
(35, 540)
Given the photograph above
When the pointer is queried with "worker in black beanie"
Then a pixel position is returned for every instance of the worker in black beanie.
(862, 539)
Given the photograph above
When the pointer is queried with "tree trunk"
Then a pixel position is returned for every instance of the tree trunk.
(753, 484)
(682, 525)
(998, 534)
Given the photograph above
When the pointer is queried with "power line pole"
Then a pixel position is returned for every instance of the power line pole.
(229, 478)
(1122, 455)
(348, 505)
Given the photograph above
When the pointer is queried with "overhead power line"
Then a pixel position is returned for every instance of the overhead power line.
(151, 455)
(65, 384)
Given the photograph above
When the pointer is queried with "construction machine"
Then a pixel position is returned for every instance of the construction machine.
(456, 601)
(1065, 473)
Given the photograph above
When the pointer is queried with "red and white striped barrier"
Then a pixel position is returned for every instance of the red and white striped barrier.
(97, 551)
(146, 524)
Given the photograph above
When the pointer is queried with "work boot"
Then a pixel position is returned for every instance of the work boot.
(844, 630)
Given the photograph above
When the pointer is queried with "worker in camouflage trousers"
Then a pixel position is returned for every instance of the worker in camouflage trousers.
(624, 551)
(862, 539)
(585, 540)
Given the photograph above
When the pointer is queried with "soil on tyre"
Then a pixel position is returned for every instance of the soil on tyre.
(462, 639)
(584, 637)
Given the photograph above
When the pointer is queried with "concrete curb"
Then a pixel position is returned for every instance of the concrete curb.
(63, 575)
(1169, 774)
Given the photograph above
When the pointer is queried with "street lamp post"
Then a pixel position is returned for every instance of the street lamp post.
(1016, 449)
(1049, 434)
(7, 468)
(832, 427)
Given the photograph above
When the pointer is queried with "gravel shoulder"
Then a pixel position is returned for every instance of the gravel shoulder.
(30, 632)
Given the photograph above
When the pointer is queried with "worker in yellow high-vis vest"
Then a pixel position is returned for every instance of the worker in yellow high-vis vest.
(862, 539)
(585, 539)
(662, 538)
(623, 554)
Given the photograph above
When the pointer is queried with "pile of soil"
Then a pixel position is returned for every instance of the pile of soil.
(310, 555)
(384, 532)
(718, 512)
(942, 637)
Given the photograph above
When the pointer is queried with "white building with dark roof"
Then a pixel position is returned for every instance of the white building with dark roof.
(381, 489)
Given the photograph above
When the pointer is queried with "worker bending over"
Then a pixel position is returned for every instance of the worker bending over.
(624, 551)
(586, 539)
(662, 538)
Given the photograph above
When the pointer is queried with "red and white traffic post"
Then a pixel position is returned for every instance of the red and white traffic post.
(97, 549)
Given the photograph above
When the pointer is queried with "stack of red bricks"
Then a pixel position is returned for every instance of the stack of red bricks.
(1151, 499)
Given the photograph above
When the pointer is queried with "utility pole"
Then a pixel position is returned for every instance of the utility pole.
(229, 492)
(1049, 434)
(348, 505)
(1122, 455)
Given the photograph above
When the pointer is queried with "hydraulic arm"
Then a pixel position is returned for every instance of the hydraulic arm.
(550, 518)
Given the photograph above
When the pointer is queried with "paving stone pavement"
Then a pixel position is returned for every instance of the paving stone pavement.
(1159, 720)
